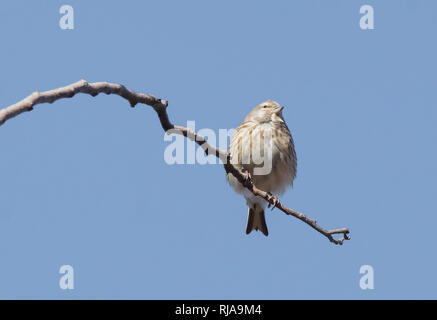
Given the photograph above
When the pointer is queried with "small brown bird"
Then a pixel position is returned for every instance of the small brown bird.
(263, 146)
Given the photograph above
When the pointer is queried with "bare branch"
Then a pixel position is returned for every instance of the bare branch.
(160, 106)
(92, 89)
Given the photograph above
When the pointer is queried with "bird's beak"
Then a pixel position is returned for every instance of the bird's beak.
(278, 110)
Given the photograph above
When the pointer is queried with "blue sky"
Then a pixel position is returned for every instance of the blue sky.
(84, 182)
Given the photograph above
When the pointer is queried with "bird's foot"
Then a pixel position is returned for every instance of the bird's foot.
(273, 201)
(247, 178)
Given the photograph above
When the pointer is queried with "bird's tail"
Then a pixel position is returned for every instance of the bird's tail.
(256, 220)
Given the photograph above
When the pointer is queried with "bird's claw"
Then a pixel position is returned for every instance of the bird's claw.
(273, 201)
(247, 178)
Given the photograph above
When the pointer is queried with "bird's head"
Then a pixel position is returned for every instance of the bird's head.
(267, 111)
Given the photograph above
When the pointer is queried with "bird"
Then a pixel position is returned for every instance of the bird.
(263, 147)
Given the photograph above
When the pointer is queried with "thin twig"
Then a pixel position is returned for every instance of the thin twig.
(160, 106)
